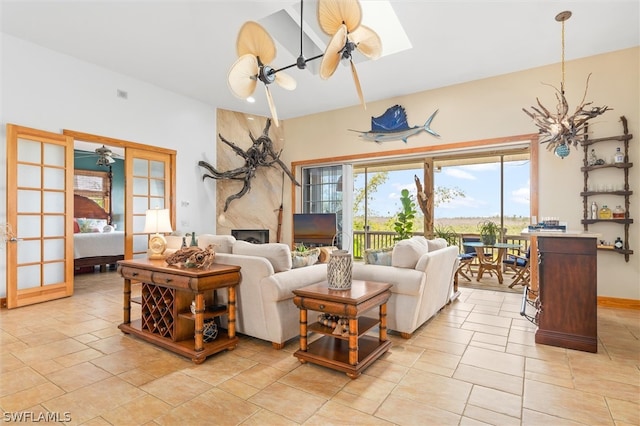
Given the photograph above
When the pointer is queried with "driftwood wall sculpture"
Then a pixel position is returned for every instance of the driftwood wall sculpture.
(260, 154)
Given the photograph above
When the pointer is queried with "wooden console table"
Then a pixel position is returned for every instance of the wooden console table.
(355, 352)
(167, 292)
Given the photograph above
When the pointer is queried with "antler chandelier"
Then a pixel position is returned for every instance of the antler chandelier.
(561, 130)
(339, 19)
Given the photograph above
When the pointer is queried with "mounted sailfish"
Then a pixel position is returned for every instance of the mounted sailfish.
(392, 126)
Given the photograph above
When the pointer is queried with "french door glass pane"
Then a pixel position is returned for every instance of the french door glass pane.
(29, 151)
(140, 167)
(29, 176)
(29, 251)
(54, 226)
(28, 276)
(53, 273)
(54, 202)
(29, 226)
(53, 249)
(28, 201)
(157, 170)
(140, 186)
(53, 178)
(54, 155)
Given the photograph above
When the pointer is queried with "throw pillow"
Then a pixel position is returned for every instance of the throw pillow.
(304, 258)
(325, 253)
(378, 256)
(76, 226)
(220, 243)
(437, 244)
(407, 252)
(278, 254)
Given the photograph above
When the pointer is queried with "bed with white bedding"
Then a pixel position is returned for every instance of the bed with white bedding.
(95, 242)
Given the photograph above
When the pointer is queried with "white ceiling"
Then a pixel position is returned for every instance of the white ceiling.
(188, 46)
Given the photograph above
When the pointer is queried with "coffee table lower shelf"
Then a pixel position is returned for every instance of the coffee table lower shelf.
(333, 353)
(184, 347)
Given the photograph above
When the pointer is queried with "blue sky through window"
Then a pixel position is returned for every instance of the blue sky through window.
(479, 182)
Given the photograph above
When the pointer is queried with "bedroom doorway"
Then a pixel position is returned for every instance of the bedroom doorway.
(148, 182)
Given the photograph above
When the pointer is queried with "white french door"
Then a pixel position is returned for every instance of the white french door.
(40, 213)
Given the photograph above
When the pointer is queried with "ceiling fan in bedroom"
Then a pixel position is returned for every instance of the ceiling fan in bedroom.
(340, 19)
(105, 156)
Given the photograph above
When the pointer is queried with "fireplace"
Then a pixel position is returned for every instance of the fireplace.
(255, 236)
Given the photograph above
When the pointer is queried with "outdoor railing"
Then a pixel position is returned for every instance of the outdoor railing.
(381, 239)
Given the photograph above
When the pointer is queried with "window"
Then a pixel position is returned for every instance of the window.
(324, 191)
(94, 185)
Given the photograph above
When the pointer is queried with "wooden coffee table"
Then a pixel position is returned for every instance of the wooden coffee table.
(355, 352)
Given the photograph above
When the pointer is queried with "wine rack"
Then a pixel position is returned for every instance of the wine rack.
(161, 312)
(157, 310)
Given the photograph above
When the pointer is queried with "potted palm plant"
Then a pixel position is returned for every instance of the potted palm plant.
(489, 231)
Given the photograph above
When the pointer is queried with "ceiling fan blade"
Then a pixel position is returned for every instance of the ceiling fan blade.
(254, 39)
(285, 81)
(367, 42)
(334, 13)
(242, 76)
(272, 107)
(356, 80)
(332, 55)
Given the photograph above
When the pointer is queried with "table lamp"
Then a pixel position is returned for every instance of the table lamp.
(156, 221)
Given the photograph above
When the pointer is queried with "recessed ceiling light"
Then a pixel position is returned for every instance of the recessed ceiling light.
(251, 99)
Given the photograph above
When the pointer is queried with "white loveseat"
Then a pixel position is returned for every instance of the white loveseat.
(421, 272)
(264, 297)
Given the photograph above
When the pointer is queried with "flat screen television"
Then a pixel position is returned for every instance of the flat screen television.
(314, 229)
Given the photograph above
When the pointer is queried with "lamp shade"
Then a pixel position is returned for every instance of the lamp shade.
(157, 220)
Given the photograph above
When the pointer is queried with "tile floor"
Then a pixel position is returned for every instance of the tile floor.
(474, 363)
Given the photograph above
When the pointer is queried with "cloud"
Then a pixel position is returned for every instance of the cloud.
(457, 172)
(521, 195)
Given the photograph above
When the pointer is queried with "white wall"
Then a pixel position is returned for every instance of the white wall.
(492, 108)
(46, 90)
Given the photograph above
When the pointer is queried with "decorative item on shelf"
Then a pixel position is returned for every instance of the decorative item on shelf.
(594, 210)
(184, 242)
(210, 331)
(489, 231)
(560, 130)
(194, 242)
(339, 325)
(192, 307)
(592, 160)
(618, 212)
(605, 212)
(157, 221)
(339, 270)
(618, 158)
(192, 257)
(618, 244)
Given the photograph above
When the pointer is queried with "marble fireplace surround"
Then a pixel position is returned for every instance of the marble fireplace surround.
(257, 209)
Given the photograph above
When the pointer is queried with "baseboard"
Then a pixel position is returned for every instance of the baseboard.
(615, 302)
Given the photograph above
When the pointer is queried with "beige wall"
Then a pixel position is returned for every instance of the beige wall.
(492, 108)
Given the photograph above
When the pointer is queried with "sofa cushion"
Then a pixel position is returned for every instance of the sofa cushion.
(304, 258)
(407, 252)
(380, 256)
(221, 243)
(437, 244)
(278, 254)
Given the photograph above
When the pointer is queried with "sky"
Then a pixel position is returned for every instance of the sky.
(480, 183)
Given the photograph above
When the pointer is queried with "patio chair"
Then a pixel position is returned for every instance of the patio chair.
(520, 265)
